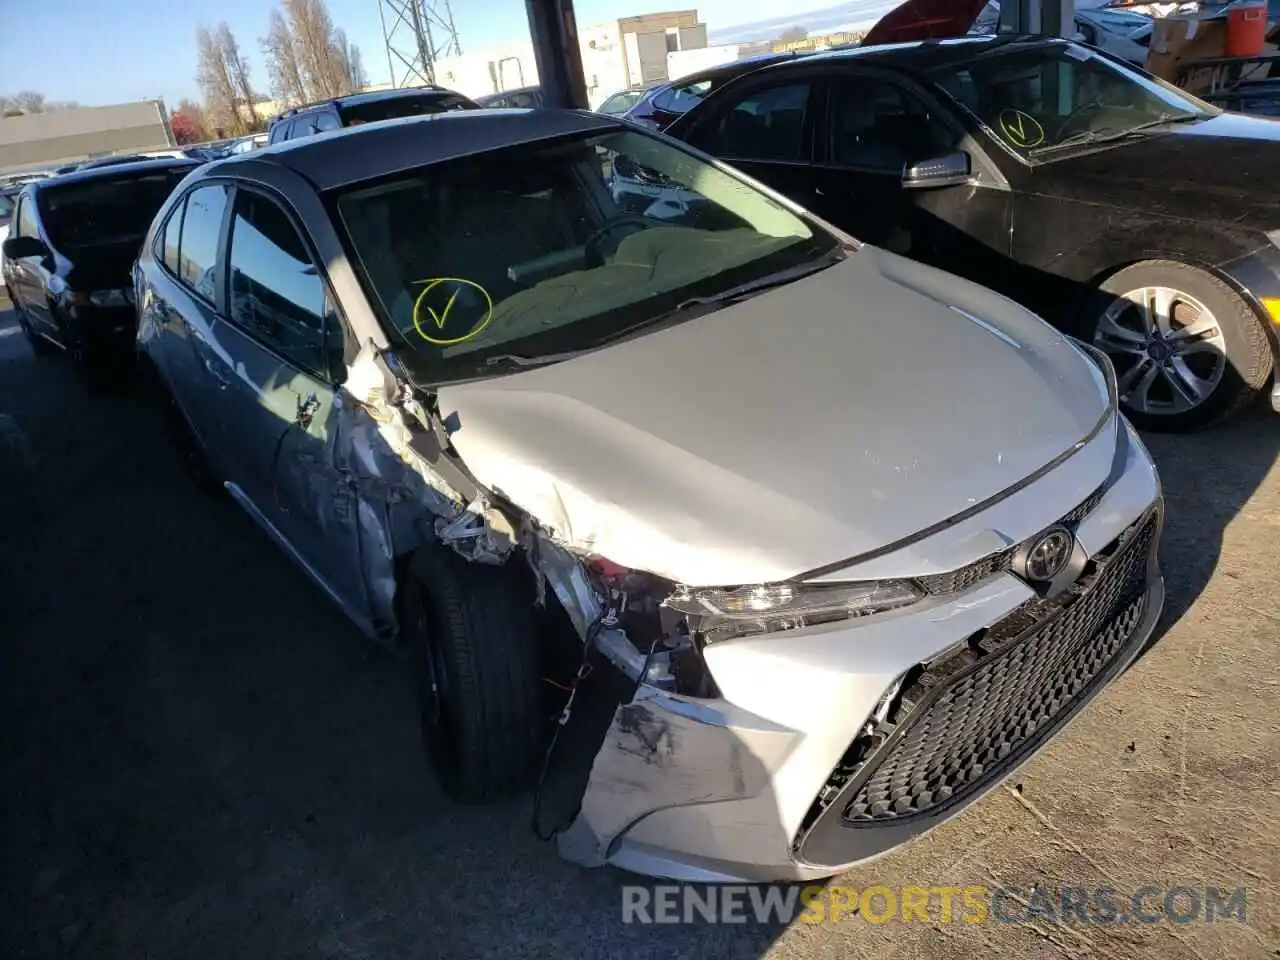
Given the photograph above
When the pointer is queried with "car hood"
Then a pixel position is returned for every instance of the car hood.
(1166, 172)
(806, 425)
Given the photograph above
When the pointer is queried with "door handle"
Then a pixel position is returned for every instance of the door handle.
(218, 373)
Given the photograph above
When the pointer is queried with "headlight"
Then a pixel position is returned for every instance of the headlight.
(726, 612)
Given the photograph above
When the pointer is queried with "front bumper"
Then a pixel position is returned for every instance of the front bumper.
(833, 745)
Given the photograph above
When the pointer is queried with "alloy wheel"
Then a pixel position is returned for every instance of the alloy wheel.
(1168, 349)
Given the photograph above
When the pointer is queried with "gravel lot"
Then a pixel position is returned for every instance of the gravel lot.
(200, 759)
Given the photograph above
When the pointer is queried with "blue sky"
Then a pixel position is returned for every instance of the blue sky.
(107, 51)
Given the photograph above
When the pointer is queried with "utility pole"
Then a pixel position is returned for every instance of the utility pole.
(416, 34)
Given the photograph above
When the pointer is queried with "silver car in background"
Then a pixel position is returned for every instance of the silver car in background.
(823, 542)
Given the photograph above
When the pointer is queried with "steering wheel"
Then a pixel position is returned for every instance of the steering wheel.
(593, 247)
(1065, 128)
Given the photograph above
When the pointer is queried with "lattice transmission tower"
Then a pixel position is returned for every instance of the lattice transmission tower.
(417, 33)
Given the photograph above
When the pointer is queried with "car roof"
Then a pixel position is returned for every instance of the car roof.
(353, 154)
(112, 171)
(744, 65)
(925, 55)
(372, 96)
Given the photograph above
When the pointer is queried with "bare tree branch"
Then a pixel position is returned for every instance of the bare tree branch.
(355, 68)
(281, 57)
(27, 101)
(313, 37)
(217, 84)
(237, 68)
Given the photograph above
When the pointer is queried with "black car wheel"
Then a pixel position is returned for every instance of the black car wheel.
(470, 632)
(1189, 351)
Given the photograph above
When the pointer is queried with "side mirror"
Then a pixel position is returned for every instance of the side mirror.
(19, 248)
(945, 171)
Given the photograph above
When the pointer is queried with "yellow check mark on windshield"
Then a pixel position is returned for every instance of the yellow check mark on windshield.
(441, 317)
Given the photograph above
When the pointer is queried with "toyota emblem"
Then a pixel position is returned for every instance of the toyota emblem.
(1048, 554)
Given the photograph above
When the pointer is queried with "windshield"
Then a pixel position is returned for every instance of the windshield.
(105, 210)
(6, 206)
(1038, 98)
(620, 103)
(393, 107)
(538, 250)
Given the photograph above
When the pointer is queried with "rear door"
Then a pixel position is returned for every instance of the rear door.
(765, 126)
(182, 302)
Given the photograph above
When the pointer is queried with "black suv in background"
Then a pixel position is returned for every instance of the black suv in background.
(67, 261)
(357, 108)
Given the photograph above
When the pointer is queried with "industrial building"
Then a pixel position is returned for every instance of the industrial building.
(616, 55)
(68, 136)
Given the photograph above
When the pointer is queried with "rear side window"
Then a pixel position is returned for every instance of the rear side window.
(198, 247)
(682, 99)
(26, 222)
(279, 132)
(171, 237)
(277, 294)
(764, 124)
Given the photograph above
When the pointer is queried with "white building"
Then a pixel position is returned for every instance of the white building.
(616, 55)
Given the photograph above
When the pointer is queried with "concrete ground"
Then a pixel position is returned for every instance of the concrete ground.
(200, 759)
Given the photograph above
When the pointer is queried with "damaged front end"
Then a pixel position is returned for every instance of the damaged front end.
(641, 725)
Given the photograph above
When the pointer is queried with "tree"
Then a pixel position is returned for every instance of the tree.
(189, 124)
(27, 101)
(216, 83)
(352, 64)
(355, 68)
(281, 57)
(313, 40)
(237, 68)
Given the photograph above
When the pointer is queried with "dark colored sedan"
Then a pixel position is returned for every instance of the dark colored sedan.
(1113, 204)
(664, 103)
(67, 260)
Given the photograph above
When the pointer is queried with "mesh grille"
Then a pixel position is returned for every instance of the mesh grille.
(956, 581)
(975, 719)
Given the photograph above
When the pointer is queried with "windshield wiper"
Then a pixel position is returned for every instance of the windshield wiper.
(1107, 135)
(701, 304)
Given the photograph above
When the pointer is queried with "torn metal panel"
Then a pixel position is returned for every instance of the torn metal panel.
(665, 750)
(564, 572)
(389, 494)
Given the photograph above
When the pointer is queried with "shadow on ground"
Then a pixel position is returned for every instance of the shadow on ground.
(201, 759)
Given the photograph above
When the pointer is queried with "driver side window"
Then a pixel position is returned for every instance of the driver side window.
(876, 124)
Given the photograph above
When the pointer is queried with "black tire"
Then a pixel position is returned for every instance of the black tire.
(1249, 358)
(38, 344)
(470, 631)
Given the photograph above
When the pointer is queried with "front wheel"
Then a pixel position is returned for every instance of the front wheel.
(1189, 351)
(470, 632)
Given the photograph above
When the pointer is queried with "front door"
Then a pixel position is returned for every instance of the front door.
(766, 130)
(875, 128)
(280, 407)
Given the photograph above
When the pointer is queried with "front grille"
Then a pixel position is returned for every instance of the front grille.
(955, 581)
(970, 717)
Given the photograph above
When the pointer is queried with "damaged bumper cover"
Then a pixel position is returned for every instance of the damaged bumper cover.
(785, 774)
